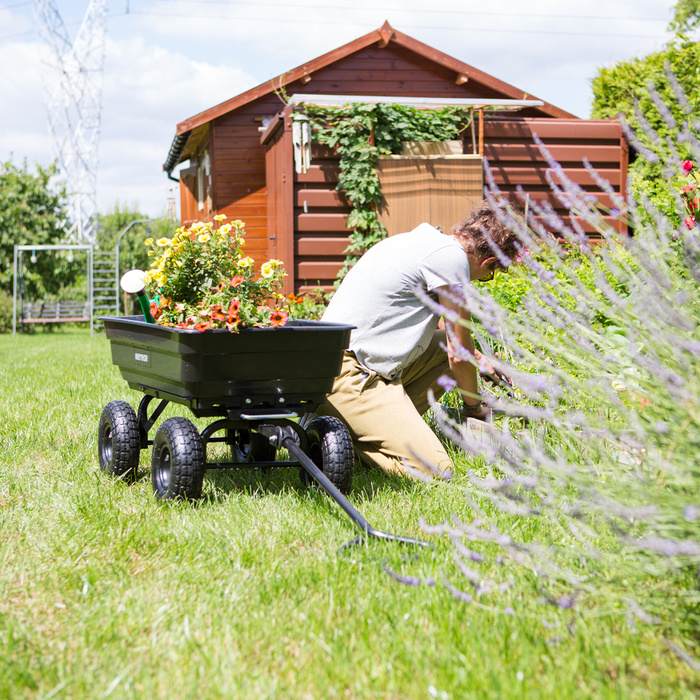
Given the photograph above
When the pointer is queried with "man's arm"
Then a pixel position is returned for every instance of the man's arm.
(464, 371)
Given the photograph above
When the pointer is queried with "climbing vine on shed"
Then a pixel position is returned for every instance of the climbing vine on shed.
(359, 134)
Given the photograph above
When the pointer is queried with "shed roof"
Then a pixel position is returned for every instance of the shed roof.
(383, 36)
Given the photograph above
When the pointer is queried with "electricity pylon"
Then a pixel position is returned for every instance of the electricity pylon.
(74, 108)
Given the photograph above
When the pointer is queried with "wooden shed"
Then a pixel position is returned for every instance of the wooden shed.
(241, 155)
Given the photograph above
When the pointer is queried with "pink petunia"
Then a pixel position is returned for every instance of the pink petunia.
(690, 222)
(236, 281)
(687, 166)
(278, 318)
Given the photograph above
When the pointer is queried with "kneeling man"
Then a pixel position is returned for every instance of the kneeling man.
(396, 352)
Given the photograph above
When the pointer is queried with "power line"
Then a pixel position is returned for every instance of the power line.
(492, 30)
(432, 11)
(344, 23)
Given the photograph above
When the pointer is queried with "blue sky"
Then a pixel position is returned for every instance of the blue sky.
(168, 60)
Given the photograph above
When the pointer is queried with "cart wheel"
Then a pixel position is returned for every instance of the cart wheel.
(331, 450)
(177, 467)
(250, 447)
(119, 441)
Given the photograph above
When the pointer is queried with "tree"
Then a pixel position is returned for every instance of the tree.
(686, 16)
(641, 90)
(32, 209)
(133, 252)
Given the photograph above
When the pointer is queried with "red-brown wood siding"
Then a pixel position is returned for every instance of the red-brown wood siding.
(516, 160)
(238, 170)
(320, 217)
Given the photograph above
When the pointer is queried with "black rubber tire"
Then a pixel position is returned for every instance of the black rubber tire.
(119, 441)
(250, 447)
(331, 450)
(177, 466)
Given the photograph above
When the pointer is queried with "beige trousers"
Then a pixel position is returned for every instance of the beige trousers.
(385, 417)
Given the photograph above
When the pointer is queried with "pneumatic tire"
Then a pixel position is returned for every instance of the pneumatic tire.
(177, 466)
(119, 441)
(331, 450)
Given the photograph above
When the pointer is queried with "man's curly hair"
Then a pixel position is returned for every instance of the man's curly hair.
(482, 224)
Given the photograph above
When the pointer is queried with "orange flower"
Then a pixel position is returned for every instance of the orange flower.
(202, 326)
(278, 318)
(155, 310)
(236, 281)
(217, 313)
(233, 310)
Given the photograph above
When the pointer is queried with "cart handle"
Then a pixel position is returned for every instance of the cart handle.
(282, 436)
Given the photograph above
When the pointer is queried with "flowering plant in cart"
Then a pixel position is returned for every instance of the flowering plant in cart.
(200, 279)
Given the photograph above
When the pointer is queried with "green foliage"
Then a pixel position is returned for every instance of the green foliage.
(624, 89)
(359, 134)
(6, 306)
(580, 270)
(310, 305)
(32, 209)
(133, 252)
(686, 16)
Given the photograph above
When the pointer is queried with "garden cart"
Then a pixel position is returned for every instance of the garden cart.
(258, 386)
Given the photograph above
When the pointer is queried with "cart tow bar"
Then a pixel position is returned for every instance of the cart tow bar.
(282, 436)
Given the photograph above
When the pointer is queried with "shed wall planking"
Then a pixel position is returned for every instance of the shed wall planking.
(517, 161)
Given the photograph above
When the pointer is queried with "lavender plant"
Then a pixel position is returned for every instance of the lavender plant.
(600, 489)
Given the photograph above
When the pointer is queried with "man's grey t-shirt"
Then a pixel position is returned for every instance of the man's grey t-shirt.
(378, 296)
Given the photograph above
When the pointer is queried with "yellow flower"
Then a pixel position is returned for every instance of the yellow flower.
(226, 228)
(203, 237)
(162, 242)
(267, 269)
(245, 263)
(220, 217)
(148, 241)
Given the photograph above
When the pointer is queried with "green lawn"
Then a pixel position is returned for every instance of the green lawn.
(106, 593)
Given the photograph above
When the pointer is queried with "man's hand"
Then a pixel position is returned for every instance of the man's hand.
(488, 370)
